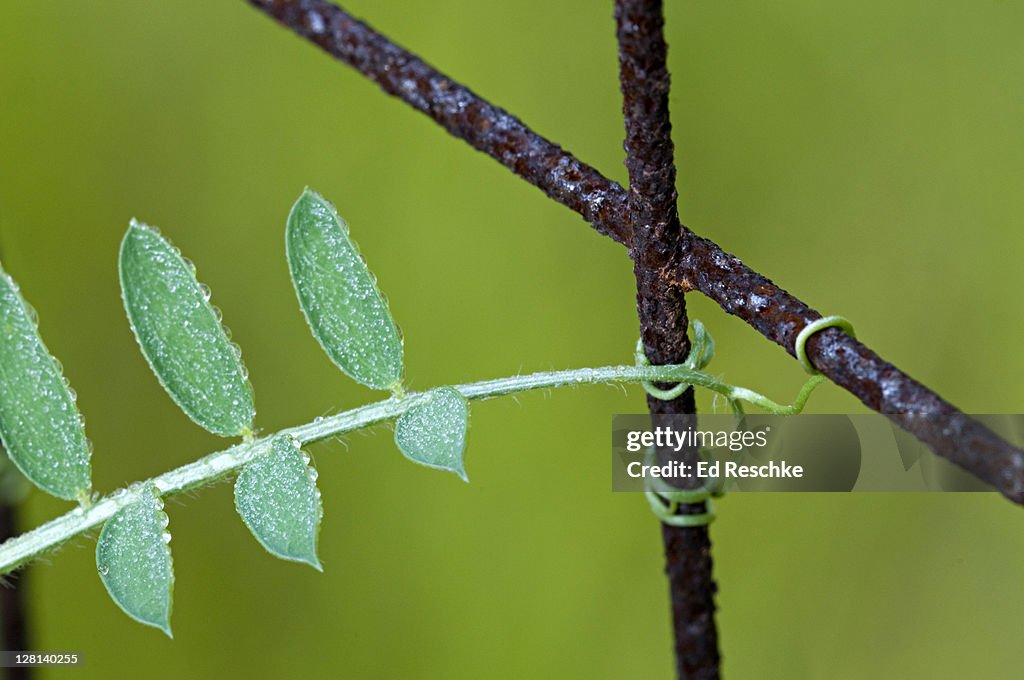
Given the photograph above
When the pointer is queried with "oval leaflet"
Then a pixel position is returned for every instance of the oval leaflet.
(433, 431)
(181, 336)
(134, 560)
(346, 312)
(39, 423)
(277, 498)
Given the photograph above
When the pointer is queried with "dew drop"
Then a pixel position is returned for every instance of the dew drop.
(32, 315)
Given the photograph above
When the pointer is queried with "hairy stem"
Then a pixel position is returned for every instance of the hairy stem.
(28, 546)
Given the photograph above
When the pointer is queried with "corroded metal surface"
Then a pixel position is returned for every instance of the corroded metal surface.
(644, 80)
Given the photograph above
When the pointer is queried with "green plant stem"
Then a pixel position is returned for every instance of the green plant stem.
(21, 549)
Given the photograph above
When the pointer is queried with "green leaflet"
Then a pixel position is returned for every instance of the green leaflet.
(339, 296)
(433, 431)
(39, 424)
(134, 561)
(276, 496)
(181, 335)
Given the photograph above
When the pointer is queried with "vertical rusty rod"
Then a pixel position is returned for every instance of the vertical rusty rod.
(661, 306)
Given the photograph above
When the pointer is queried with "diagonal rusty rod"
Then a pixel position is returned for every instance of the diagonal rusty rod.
(644, 80)
(700, 264)
(458, 110)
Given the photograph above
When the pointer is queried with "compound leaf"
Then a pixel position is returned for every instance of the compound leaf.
(181, 335)
(433, 431)
(134, 561)
(277, 498)
(339, 296)
(39, 423)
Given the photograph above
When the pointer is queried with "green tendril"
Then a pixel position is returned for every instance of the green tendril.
(701, 352)
(665, 499)
(667, 510)
(800, 346)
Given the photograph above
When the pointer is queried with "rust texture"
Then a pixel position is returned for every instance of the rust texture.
(661, 307)
(700, 264)
(850, 364)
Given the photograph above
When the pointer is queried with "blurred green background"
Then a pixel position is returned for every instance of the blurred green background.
(866, 155)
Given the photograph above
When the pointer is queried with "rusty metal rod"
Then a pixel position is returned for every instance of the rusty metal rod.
(699, 264)
(458, 110)
(644, 81)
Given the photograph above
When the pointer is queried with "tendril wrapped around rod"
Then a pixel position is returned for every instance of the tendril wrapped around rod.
(664, 498)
